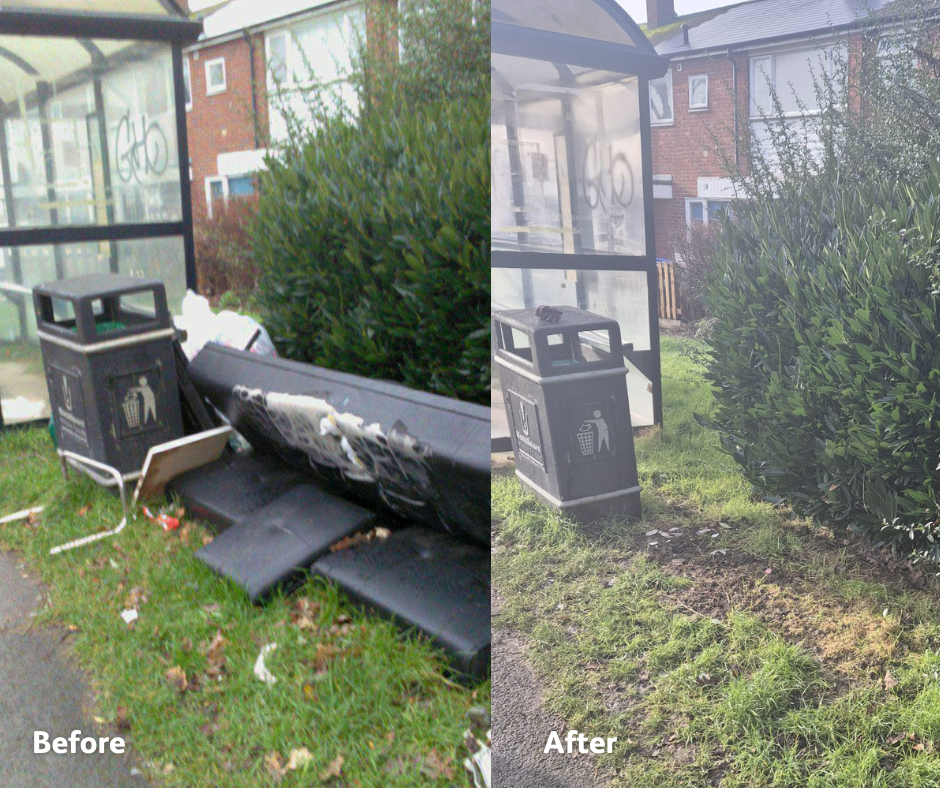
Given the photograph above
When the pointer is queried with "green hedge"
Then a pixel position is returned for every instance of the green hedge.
(373, 242)
(826, 353)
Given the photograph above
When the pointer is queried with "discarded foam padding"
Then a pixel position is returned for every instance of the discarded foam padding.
(272, 547)
(424, 457)
(423, 580)
(225, 492)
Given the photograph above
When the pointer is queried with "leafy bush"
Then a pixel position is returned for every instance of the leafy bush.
(225, 255)
(374, 242)
(373, 231)
(825, 352)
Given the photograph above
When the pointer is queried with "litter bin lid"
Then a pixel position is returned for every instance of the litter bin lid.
(569, 317)
(105, 308)
(96, 286)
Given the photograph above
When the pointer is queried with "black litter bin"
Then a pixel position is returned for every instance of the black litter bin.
(107, 349)
(565, 388)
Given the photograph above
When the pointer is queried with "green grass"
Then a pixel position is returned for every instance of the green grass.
(712, 671)
(382, 702)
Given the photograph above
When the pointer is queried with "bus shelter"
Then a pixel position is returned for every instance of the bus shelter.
(94, 168)
(572, 182)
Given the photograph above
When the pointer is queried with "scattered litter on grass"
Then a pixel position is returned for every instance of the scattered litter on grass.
(701, 531)
(652, 533)
(88, 539)
(162, 519)
(360, 538)
(478, 764)
(890, 681)
(261, 670)
(718, 552)
(130, 616)
(299, 758)
(30, 515)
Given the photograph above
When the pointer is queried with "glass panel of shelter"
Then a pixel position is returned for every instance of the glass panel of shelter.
(566, 160)
(567, 178)
(88, 137)
(109, 128)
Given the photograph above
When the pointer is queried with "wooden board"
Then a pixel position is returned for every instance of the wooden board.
(169, 460)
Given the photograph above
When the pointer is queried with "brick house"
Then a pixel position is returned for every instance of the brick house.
(715, 102)
(250, 52)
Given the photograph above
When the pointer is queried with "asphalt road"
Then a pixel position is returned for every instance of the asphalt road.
(521, 726)
(41, 690)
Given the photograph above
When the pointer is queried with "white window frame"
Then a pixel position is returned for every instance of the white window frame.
(188, 79)
(825, 51)
(689, 201)
(672, 101)
(767, 75)
(215, 90)
(226, 188)
(694, 78)
(212, 179)
(288, 43)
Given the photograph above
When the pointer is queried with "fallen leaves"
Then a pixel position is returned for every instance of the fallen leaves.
(215, 657)
(299, 758)
(176, 678)
(305, 613)
(890, 681)
(334, 770)
(274, 765)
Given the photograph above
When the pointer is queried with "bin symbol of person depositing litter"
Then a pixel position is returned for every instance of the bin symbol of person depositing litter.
(586, 440)
(132, 404)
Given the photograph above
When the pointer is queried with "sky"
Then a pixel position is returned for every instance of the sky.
(637, 8)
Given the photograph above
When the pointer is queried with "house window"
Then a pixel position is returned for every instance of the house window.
(698, 213)
(215, 76)
(661, 113)
(784, 84)
(221, 188)
(698, 92)
(277, 58)
(313, 58)
(187, 83)
(242, 186)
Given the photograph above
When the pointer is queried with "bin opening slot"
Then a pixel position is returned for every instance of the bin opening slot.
(515, 342)
(119, 313)
(58, 312)
(571, 348)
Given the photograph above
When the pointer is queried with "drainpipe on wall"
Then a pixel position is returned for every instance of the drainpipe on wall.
(254, 96)
(734, 99)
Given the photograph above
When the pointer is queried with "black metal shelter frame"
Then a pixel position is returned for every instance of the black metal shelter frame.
(564, 50)
(86, 27)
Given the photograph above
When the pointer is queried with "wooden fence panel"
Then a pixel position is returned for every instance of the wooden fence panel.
(668, 290)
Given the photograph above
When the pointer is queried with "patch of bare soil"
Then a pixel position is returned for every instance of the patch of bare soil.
(851, 638)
